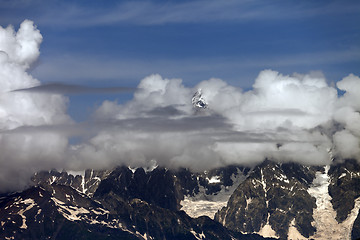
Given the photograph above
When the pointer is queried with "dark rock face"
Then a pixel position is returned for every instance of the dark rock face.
(62, 212)
(192, 182)
(273, 194)
(355, 233)
(160, 186)
(344, 187)
(86, 184)
(37, 214)
(157, 187)
(127, 204)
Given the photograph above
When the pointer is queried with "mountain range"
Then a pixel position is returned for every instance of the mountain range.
(270, 200)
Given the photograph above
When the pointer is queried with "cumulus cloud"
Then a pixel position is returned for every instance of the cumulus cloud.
(347, 144)
(347, 113)
(238, 127)
(22, 46)
(24, 153)
(298, 118)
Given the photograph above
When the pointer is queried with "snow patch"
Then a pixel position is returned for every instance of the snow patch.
(83, 184)
(248, 202)
(31, 204)
(197, 208)
(28, 201)
(283, 178)
(207, 205)
(52, 180)
(116, 224)
(198, 236)
(100, 212)
(324, 215)
(266, 230)
(342, 175)
(263, 183)
(133, 170)
(146, 237)
(349, 222)
(294, 233)
(74, 213)
(214, 179)
(71, 213)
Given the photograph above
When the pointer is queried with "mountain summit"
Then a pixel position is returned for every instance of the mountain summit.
(274, 200)
(198, 100)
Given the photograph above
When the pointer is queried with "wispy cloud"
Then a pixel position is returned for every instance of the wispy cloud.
(72, 14)
(280, 117)
(69, 89)
(94, 68)
(201, 11)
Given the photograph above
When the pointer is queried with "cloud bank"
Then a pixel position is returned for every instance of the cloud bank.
(298, 117)
(23, 153)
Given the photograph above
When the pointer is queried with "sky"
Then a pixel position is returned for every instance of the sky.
(95, 84)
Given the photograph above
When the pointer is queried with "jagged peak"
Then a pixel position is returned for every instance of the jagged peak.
(198, 100)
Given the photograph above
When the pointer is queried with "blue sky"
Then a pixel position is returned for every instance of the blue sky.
(289, 87)
(118, 43)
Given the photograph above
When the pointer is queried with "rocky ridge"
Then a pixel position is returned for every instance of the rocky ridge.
(279, 200)
(125, 204)
(273, 195)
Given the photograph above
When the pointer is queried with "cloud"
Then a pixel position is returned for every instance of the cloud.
(74, 68)
(347, 144)
(297, 118)
(351, 86)
(69, 89)
(237, 128)
(347, 113)
(156, 13)
(24, 153)
(22, 46)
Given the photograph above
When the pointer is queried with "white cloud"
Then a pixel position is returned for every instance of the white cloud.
(22, 46)
(283, 117)
(347, 145)
(153, 92)
(18, 51)
(199, 11)
(277, 120)
(25, 152)
(351, 86)
(347, 142)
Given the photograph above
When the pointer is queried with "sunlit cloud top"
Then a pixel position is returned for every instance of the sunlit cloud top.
(112, 84)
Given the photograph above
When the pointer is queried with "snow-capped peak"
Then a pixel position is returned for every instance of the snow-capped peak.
(198, 100)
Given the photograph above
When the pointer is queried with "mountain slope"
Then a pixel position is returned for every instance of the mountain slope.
(273, 195)
(287, 201)
(116, 210)
(294, 201)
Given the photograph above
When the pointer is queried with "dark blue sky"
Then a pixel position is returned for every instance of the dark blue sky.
(117, 43)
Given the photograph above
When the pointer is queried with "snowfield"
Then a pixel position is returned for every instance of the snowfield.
(324, 214)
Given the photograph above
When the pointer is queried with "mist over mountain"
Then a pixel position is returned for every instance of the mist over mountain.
(288, 118)
(177, 161)
(276, 200)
